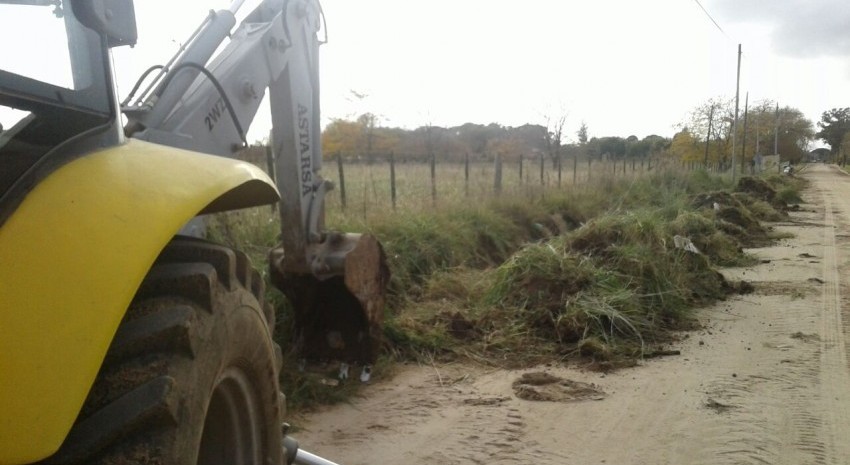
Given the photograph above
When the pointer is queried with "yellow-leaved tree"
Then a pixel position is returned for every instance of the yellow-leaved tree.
(685, 147)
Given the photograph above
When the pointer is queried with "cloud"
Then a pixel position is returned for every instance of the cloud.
(801, 28)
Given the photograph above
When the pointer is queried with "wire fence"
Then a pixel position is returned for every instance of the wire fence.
(399, 182)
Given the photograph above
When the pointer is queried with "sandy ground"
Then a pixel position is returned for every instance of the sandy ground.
(765, 382)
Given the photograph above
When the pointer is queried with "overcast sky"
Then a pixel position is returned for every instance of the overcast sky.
(623, 66)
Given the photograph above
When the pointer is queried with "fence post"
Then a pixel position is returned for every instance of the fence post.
(341, 179)
(589, 161)
(466, 173)
(433, 178)
(392, 178)
(497, 181)
(624, 165)
(520, 169)
(542, 164)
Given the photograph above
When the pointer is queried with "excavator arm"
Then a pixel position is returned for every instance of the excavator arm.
(335, 281)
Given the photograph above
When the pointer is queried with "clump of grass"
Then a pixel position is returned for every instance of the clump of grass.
(419, 244)
(761, 209)
(538, 279)
(617, 279)
(756, 187)
(788, 188)
(703, 181)
(789, 195)
(702, 228)
(714, 200)
(603, 234)
(742, 225)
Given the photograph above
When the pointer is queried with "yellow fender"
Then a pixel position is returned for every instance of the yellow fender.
(73, 255)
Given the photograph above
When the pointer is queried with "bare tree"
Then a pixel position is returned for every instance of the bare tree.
(553, 134)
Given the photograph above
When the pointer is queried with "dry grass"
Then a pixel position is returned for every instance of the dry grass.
(368, 191)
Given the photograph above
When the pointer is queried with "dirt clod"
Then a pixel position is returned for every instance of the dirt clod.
(542, 386)
(718, 407)
(485, 401)
(806, 337)
(745, 287)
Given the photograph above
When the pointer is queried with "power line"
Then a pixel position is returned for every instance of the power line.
(712, 19)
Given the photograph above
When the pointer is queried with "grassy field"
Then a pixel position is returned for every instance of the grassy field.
(535, 273)
(368, 185)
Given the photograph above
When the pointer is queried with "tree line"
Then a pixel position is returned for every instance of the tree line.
(704, 136)
(363, 137)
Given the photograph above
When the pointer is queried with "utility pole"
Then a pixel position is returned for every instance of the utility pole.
(708, 136)
(744, 142)
(757, 136)
(776, 140)
(735, 124)
(757, 155)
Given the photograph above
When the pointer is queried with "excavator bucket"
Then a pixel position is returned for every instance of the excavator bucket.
(339, 306)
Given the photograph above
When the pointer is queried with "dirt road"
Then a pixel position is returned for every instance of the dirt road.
(765, 382)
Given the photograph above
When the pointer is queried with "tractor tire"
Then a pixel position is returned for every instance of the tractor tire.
(191, 376)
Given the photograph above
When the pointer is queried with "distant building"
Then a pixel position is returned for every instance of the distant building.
(818, 155)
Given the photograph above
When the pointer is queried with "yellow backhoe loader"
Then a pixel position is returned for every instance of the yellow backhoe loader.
(125, 337)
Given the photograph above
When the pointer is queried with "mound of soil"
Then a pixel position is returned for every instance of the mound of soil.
(708, 199)
(540, 386)
(761, 190)
(740, 224)
(756, 188)
(742, 218)
(706, 283)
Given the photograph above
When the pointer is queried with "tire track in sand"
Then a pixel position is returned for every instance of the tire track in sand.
(834, 379)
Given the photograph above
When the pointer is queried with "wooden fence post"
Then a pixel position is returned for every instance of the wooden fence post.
(341, 179)
(466, 174)
(589, 161)
(542, 164)
(520, 169)
(392, 178)
(624, 165)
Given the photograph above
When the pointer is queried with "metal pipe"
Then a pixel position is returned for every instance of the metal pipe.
(305, 458)
(164, 99)
(236, 5)
(165, 68)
